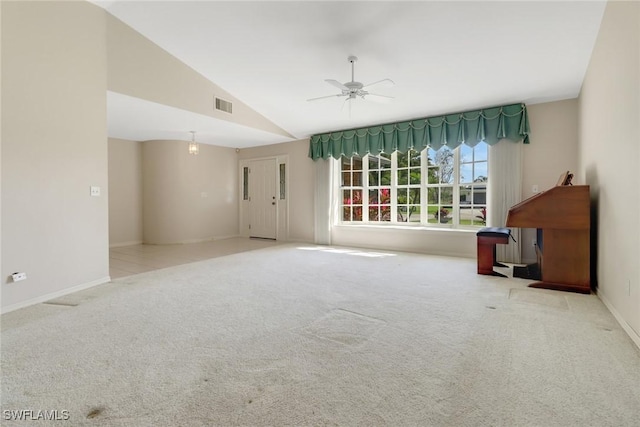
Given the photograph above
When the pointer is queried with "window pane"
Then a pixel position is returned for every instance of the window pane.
(480, 172)
(402, 214)
(346, 163)
(414, 213)
(446, 195)
(466, 172)
(357, 213)
(385, 212)
(282, 181)
(374, 214)
(356, 179)
(385, 196)
(466, 214)
(442, 214)
(445, 214)
(357, 163)
(385, 177)
(245, 183)
(432, 196)
(433, 176)
(444, 159)
(480, 215)
(466, 153)
(346, 213)
(415, 176)
(346, 197)
(402, 196)
(403, 160)
(431, 156)
(385, 161)
(346, 179)
(403, 177)
(373, 197)
(373, 162)
(357, 197)
(373, 178)
(465, 195)
(414, 196)
(480, 195)
(481, 151)
(415, 158)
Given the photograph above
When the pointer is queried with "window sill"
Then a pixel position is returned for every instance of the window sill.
(407, 227)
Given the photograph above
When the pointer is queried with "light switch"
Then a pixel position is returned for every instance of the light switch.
(95, 191)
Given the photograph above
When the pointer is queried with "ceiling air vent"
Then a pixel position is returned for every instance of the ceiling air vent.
(223, 105)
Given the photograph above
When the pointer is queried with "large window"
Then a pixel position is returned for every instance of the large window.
(445, 188)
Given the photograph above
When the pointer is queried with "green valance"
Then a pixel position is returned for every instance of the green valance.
(489, 125)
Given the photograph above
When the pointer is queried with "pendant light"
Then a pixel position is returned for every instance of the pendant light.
(193, 145)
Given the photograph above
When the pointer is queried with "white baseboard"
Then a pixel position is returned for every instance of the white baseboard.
(208, 239)
(132, 243)
(56, 294)
(226, 237)
(627, 328)
(188, 241)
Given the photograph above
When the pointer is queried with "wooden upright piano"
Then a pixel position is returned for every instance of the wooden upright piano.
(562, 217)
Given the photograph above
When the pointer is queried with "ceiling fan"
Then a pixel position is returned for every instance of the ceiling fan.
(354, 89)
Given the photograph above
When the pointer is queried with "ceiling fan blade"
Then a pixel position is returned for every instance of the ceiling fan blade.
(381, 83)
(337, 84)
(379, 98)
(346, 101)
(324, 97)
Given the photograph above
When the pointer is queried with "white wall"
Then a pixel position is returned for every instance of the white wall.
(125, 192)
(553, 150)
(458, 243)
(610, 158)
(188, 198)
(54, 147)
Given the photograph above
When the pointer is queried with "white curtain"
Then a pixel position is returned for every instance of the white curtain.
(323, 217)
(505, 190)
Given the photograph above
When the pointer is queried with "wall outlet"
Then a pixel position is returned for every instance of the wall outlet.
(19, 276)
(95, 191)
(533, 242)
(534, 189)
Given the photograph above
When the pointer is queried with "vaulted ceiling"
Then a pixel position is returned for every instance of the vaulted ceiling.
(443, 57)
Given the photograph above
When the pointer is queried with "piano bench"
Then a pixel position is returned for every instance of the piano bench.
(487, 238)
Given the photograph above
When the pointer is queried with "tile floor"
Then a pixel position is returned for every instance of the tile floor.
(129, 260)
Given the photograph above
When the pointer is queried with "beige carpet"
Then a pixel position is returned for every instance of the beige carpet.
(308, 336)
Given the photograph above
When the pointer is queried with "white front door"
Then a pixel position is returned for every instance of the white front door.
(262, 198)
